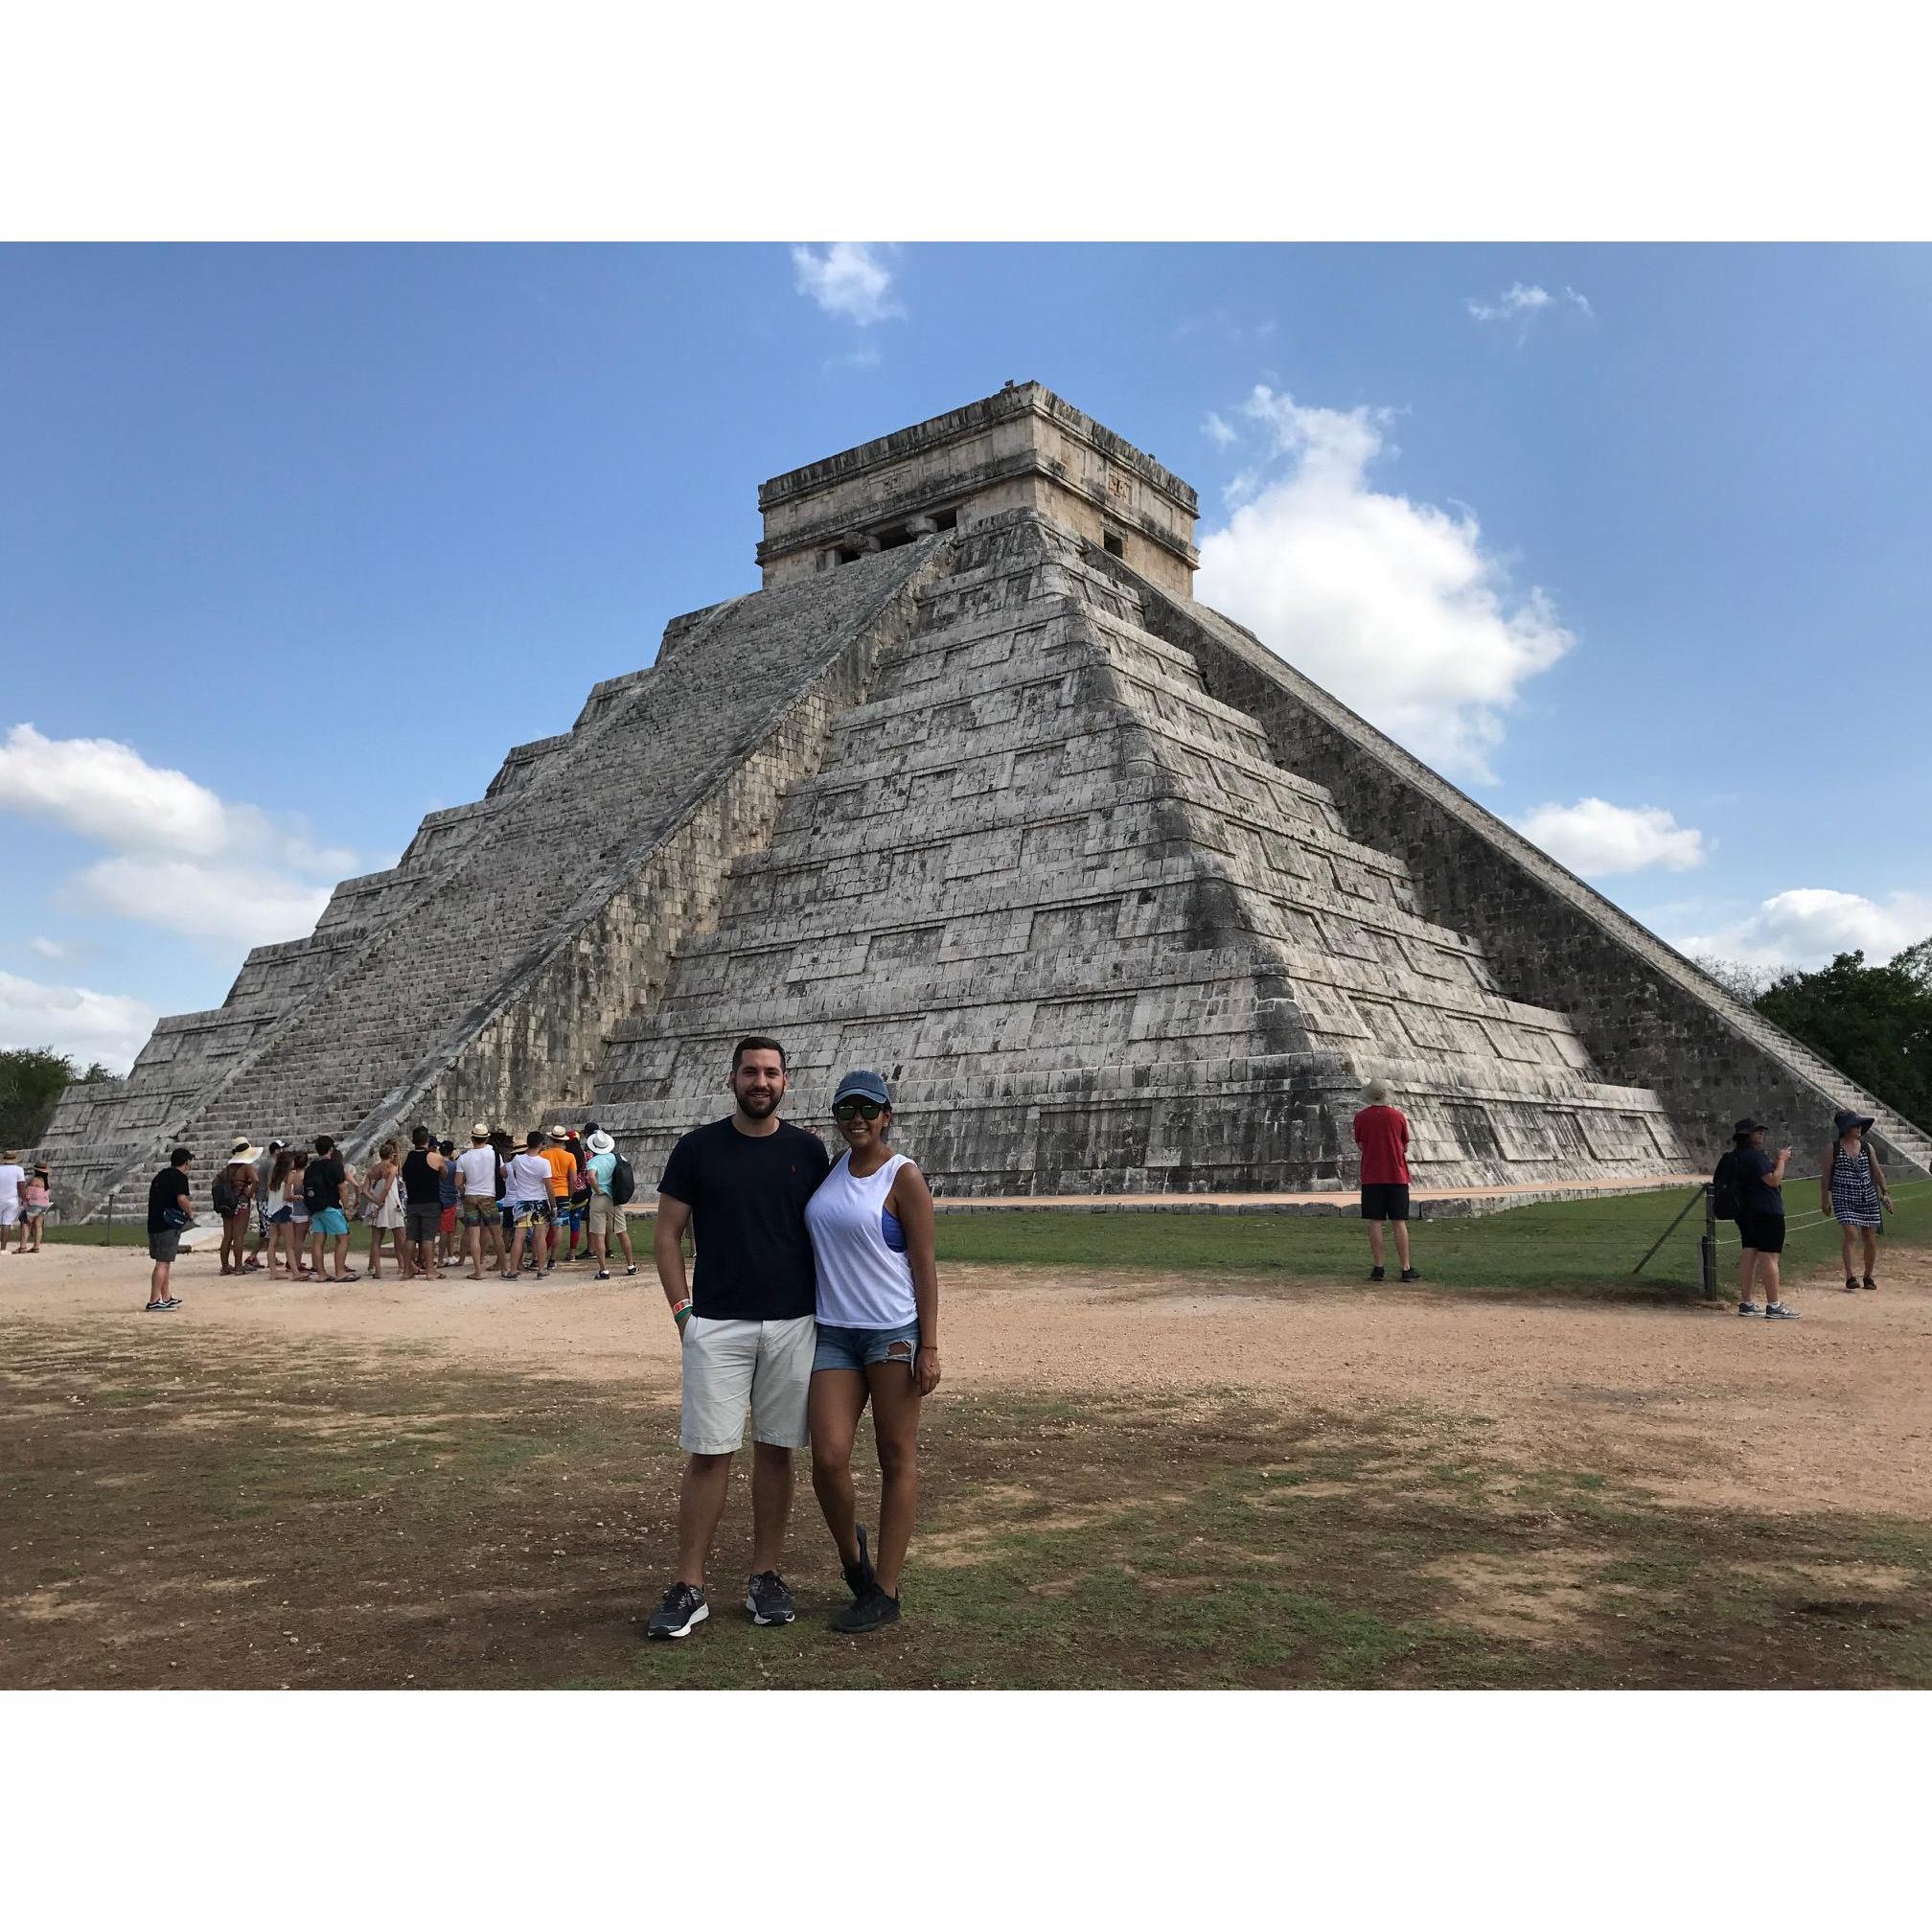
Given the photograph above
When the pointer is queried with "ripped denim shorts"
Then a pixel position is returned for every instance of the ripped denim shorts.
(861, 1347)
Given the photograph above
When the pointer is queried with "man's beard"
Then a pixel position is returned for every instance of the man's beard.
(759, 1106)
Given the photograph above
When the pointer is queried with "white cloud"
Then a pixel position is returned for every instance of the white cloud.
(105, 1027)
(1522, 303)
(48, 948)
(1811, 925)
(182, 857)
(1595, 837)
(107, 791)
(847, 280)
(204, 901)
(1219, 430)
(1394, 605)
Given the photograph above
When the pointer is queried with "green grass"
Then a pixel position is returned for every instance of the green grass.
(128, 1232)
(1591, 1244)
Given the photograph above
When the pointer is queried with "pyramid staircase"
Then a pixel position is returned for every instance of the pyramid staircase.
(1098, 938)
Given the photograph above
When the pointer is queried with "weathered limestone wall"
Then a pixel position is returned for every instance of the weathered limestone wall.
(1099, 939)
(1025, 449)
(1644, 1014)
(545, 1035)
(467, 963)
(975, 792)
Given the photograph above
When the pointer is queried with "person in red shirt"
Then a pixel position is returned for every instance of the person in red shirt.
(1382, 1133)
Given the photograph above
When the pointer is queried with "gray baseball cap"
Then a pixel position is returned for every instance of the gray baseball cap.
(863, 1084)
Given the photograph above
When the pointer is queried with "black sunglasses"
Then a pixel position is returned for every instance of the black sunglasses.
(854, 1109)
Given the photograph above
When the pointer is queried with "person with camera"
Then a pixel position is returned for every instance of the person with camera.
(1758, 1182)
(170, 1214)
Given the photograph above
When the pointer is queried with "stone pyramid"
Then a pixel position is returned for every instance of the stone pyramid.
(973, 791)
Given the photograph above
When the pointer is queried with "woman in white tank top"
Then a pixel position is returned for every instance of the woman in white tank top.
(871, 1229)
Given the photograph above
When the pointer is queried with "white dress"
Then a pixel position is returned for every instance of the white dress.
(390, 1213)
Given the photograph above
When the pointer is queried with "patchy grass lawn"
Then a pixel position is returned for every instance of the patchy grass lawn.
(259, 1514)
(1591, 1244)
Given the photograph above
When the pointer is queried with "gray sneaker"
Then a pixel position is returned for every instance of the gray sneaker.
(683, 1609)
(1749, 1308)
(1776, 1311)
(767, 1600)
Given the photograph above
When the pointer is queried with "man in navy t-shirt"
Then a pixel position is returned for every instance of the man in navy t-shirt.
(746, 1321)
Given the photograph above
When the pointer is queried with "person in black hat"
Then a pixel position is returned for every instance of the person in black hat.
(1760, 1217)
(1850, 1190)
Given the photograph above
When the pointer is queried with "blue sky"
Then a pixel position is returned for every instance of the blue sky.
(1631, 541)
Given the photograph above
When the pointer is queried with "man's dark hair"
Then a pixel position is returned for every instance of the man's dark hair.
(419, 1136)
(533, 1140)
(324, 1146)
(179, 1154)
(447, 1147)
(755, 1043)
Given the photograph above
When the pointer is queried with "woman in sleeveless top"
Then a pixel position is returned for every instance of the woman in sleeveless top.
(871, 1229)
(382, 1187)
(1852, 1187)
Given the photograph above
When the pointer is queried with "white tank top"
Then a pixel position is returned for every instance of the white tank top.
(864, 1282)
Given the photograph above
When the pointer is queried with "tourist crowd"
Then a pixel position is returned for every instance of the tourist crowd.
(287, 1210)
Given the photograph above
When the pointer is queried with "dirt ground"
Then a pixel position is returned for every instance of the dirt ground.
(1126, 1480)
(1703, 1409)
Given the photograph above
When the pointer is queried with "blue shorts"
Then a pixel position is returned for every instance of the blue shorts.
(281, 1217)
(861, 1347)
(328, 1222)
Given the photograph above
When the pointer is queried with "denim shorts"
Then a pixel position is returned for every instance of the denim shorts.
(861, 1347)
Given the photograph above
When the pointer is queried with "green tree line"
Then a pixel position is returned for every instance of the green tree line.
(30, 1081)
(1873, 1023)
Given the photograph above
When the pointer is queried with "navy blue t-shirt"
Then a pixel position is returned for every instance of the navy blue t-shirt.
(747, 1193)
(1749, 1167)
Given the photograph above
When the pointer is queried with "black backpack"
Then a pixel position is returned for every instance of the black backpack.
(623, 1182)
(223, 1196)
(1725, 1204)
(312, 1188)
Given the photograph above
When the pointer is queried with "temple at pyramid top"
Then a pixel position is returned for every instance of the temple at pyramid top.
(1024, 449)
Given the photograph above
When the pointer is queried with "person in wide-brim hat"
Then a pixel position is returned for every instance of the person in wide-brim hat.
(242, 1178)
(1852, 1190)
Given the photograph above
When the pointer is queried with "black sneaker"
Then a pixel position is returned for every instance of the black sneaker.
(1411, 1274)
(767, 1600)
(1749, 1308)
(860, 1578)
(1378, 1273)
(872, 1612)
(683, 1609)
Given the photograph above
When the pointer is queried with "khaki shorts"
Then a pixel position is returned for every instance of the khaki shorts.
(607, 1218)
(729, 1366)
